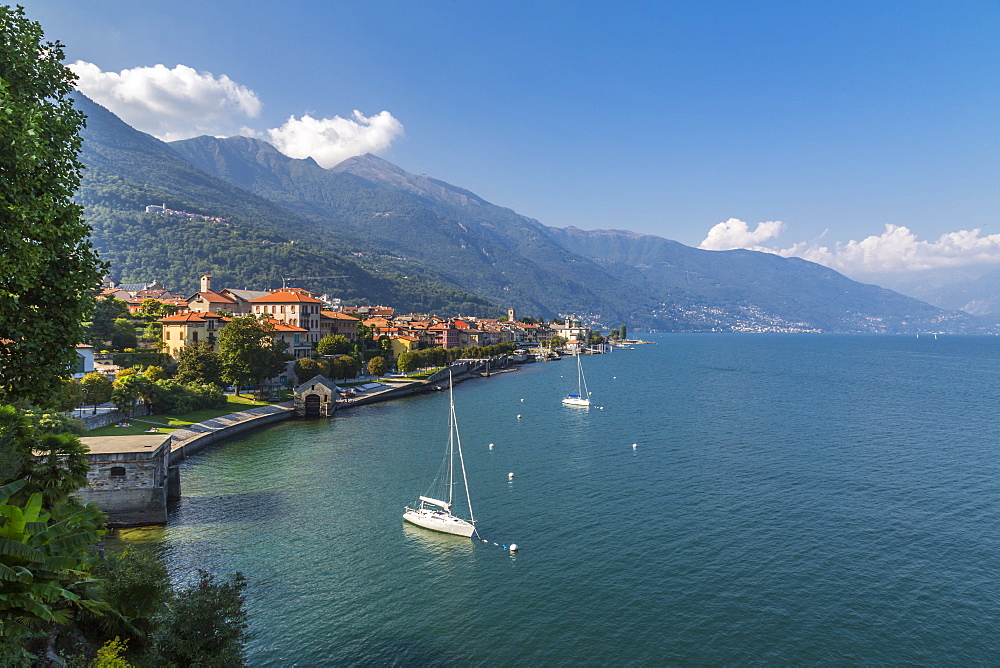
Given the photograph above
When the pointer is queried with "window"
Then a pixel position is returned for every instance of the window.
(282, 308)
(194, 336)
(291, 309)
(166, 336)
(117, 472)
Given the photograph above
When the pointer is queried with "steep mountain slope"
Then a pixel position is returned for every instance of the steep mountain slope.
(291, 217)
(256, 244)
(447, 232)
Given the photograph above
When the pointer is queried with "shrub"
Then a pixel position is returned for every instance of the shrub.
(206, 625)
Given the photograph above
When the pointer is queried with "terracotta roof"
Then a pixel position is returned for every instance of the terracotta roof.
(282, 327)
(336, 315)
(192, 317)
(284, 298)
(405, 337)
(213, 297)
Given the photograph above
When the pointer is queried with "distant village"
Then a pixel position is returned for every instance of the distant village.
(301, 318)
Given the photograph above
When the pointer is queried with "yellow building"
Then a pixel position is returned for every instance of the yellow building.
(184, 329)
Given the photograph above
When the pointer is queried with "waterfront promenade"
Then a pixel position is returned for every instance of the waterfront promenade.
(191, 439)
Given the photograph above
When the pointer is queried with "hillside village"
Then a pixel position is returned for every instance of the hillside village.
(301, 318)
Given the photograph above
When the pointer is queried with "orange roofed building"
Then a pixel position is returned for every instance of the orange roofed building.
(294, 308)
(185, 329)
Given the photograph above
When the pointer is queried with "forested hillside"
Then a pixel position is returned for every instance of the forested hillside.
(258, 244)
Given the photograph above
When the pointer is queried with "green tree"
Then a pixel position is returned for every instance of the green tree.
(123, 335)
(42, 232)
(14, 456)
(376, 366)
(334, 344)
(246, 350)
(364, 340)
(44, 563)
(306, 368)
(406, 362)
(70, 394)
(125, 392)
(106, 311)
(624, 331)
(206, 625)
(96, 389)
(137, 590)
(153, 332)
(198, 363)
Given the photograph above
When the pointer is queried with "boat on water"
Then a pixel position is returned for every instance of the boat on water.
(582, 398)
(435, 513)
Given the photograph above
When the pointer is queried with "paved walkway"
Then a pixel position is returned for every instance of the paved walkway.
(181, 436)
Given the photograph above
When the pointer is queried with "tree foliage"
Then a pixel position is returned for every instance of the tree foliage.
(44, 563)
(48, 265)
(246, 350)
(334, 344)
(107, 310)
(96, 389)
(206, 625)
(198, 363)
(376, 366)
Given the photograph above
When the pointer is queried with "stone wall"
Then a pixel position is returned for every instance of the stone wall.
(131, 487)
(109, 417)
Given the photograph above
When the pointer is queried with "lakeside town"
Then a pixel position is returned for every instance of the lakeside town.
(300, 319)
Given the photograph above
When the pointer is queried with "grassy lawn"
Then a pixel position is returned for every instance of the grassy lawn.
(425, 373)
(167, 423)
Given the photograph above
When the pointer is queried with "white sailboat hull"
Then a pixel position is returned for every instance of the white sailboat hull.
(438, 520)
(576, 401)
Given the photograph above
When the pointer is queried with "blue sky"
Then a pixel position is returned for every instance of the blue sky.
(695, 121)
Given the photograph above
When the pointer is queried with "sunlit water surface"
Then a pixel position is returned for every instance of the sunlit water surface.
(790, 499)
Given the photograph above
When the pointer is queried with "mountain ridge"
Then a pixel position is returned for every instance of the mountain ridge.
(482, 255)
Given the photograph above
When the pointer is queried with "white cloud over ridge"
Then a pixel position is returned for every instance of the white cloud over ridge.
(180, 103)
(896, 250)
(168, 103)
(332, 140)
(734, 233)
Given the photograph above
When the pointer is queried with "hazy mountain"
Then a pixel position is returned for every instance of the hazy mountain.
(974, 289)
(788, 290)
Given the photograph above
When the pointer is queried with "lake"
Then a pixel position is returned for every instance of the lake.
(793, 499)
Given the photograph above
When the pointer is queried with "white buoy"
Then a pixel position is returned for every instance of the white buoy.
(518, 416)
(634, 446)
(510, 476)
(522, 401)
(513, 547)
(491, 446)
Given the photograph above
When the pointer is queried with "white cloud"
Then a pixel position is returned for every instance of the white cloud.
(170, 103)
(896, 250)
(181, 102)
(332, 140)
(735, 233)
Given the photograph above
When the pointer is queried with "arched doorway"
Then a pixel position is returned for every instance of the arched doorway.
(312, 405)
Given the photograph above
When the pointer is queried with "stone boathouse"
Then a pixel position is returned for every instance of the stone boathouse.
(316, 397)
(129, 478)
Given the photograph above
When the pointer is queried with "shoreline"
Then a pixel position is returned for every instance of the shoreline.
(193, 438)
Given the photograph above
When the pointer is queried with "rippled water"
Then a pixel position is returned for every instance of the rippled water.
(791, 499)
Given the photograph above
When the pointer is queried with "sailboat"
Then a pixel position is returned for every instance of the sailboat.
(582, 398)
(436, 514)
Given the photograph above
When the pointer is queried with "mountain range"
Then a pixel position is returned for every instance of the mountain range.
(368, 231)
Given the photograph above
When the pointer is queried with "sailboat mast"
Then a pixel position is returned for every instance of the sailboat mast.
(452, 428)
(465, 478)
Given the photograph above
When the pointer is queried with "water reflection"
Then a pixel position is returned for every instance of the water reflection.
(436, 544)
